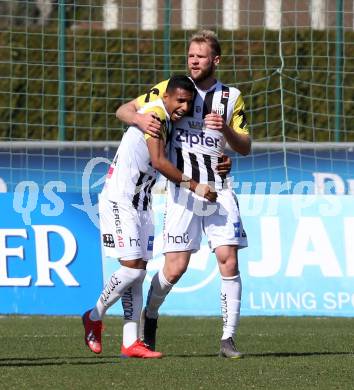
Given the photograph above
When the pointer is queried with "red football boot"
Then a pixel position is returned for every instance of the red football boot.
(93, 331)
(139, 350)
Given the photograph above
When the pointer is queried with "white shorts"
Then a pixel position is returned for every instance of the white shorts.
(187, 216)
(126, 233)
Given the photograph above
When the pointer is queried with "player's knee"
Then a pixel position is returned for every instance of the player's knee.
(173, 274)
(174, 278)
(228, 266)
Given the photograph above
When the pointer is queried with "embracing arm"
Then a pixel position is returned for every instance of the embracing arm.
(224, 167)
(239, 142)
(236, 132)
(128, 114)
(165, 167)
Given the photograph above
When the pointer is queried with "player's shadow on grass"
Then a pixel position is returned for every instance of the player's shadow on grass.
(296, 354)
(57, 361)
(263, 355)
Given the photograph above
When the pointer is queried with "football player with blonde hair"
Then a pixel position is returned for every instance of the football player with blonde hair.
(197, 146)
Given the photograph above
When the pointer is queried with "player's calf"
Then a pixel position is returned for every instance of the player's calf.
(149, 326)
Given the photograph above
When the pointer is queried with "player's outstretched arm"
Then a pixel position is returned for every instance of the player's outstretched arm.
(128, 114)
(159, 161)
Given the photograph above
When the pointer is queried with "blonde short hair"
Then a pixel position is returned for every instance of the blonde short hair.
(209, 37)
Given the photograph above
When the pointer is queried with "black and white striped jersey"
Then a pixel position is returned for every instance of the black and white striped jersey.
(194, 149)
(131, 176)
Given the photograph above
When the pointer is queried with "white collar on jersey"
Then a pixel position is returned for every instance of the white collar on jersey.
(210, 88)
(206, 90)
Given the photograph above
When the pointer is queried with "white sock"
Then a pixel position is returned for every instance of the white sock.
(231, 290)
(158, 291)
(132, 302)
(119, 281)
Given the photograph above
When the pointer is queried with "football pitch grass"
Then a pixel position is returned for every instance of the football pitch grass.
(280, 353)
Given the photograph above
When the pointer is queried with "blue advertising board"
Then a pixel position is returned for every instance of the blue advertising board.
(50, 259)
(300, 260)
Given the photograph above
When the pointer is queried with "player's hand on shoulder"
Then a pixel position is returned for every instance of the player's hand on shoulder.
(214, 121)
(225, 166)
(149, 124)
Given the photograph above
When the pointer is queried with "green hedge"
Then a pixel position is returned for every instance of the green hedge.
(103, 70)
